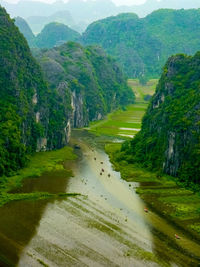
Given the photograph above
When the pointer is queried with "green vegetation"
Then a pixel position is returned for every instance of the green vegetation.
(143, 92)
(161, 193)
(169, 141)
(122, 123)
(26, 31)
(125, 123)
(20, 80)
(142, 45)
(40, 163)
(90, 76)
(55, 34)
(83, 84)
(165, 194)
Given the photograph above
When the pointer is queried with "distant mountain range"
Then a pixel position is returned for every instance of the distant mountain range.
(38, 22)
(79, 13)
(140, 45)
(53, 34)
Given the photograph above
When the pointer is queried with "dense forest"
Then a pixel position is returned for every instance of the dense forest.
(55, 34)
(170, 137)
(36, 115)
(142, 46)
(97, 84)
(23, 95)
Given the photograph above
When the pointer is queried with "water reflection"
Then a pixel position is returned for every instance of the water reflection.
(19, 220)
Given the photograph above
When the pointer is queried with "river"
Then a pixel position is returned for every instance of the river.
(105, 226)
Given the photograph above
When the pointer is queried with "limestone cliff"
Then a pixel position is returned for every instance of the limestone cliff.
(170, 137)
(94, 83)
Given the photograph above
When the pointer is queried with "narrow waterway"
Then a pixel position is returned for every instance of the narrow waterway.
(106, 226)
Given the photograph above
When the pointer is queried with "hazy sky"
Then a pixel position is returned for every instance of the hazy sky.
(117, 2)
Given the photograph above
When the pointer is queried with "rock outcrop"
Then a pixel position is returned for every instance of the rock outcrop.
(169, 140)
(93, 82)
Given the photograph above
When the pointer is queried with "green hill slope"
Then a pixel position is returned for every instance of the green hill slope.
(142, 45)
(169, 140)
(95, 81)
(55, 34)
(22, 94)
(26, 31)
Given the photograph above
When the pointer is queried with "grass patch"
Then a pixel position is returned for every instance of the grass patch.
(126, 123)
(142, 90)
(195, 227)
(128, 119)
(39, 163)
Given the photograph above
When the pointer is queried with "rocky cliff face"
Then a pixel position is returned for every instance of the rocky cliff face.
(170, 137)
(92, 81)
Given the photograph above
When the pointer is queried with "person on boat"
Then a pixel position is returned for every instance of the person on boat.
(146, 210)
(177, 236)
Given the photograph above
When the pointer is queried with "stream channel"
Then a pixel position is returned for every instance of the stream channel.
(105, 226)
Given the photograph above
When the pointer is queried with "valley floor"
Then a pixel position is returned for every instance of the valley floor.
(76, 210)
(163, 194)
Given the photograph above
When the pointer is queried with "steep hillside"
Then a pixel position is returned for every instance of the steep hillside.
(94, 81)
(23, 98)
(55, 34)
(142, 46)
(26, 31)
(84, 84)
(170, 137)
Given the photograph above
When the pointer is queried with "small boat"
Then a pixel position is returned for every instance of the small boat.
(177, 236)
(77, 146)
(146, 210)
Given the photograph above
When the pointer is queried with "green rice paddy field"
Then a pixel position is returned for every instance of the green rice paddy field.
(127, 122)
(39, 164)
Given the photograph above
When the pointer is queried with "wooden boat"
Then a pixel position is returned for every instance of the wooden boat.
(177, 236)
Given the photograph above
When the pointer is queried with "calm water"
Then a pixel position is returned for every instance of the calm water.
(105, 227)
